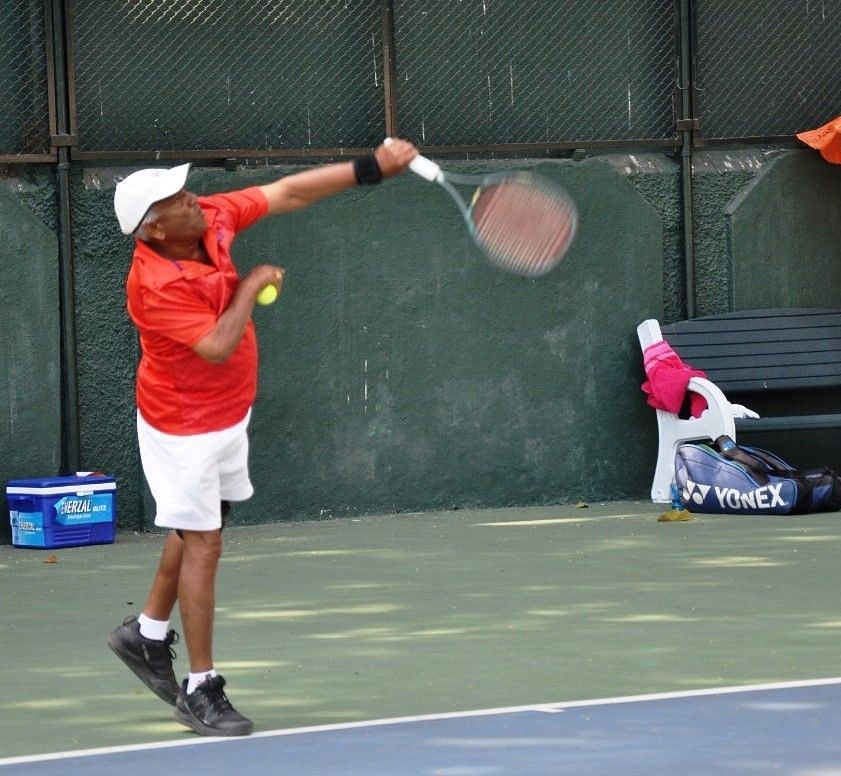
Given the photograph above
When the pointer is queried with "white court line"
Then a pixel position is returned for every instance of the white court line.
(550, 708)
(558, 520)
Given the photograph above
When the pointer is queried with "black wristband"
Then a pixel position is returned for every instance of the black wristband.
(367, 170)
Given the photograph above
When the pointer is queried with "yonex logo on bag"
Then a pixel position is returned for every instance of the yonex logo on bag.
(695, 493)
(767, 497)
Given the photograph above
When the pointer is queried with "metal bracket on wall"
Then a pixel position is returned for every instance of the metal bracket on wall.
(59, 141)
(688, 125)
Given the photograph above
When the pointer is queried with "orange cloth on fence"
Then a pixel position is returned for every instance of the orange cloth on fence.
(826, 139)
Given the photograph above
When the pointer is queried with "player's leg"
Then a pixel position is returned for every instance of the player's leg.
(197, 595)
(202, 704)
(144, 643)
(164, 591)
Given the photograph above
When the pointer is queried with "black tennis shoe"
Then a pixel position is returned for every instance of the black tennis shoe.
(150, 660)
(208, 711)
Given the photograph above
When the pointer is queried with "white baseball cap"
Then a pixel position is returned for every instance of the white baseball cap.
(135, 194)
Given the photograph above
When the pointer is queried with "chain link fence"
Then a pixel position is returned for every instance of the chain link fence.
(766, 68)
(481, 72)
(292, 77)
(216, 74)
(24, 98)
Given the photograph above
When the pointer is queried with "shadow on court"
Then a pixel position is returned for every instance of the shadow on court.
(351, 620)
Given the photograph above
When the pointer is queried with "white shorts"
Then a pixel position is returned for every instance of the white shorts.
(190, 475)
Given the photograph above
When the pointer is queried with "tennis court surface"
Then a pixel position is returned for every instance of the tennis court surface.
(552, 640)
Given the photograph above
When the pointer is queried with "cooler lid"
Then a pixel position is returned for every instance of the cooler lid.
(52, 485)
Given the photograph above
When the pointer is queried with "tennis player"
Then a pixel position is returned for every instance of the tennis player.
(196, 384)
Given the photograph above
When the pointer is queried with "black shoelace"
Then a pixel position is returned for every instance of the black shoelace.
(162, 653)
(213, 689)
(171, 638)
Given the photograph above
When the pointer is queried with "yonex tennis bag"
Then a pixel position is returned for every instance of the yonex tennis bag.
(736, 479)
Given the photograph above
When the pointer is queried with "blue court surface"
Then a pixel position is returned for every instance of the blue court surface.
(790, 728)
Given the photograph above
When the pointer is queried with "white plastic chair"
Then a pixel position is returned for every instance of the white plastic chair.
(673, 430)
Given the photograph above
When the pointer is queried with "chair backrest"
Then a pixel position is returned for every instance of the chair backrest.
(763, 350)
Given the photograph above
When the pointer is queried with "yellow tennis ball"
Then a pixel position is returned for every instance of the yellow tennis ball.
(267, 295)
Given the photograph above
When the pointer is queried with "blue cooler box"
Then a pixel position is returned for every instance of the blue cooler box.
(62, 511)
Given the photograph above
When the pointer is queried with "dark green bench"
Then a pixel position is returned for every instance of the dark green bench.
(783, 363)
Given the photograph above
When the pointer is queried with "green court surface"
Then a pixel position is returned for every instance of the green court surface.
(384, 616)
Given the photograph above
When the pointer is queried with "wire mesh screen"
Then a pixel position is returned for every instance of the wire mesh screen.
(216, 74)
(504, 71)
(268, 75)
(24, 109)
(766, 67)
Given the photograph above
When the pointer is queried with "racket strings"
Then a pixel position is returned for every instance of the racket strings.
(524, 227)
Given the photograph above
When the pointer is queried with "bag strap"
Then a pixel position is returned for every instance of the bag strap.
(755, 465)
(775, 465)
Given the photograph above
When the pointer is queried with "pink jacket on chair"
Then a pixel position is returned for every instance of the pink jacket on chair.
(668, 378)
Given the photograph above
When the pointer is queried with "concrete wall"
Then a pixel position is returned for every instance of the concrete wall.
(768, 229)
(399, 372)
(30, 390)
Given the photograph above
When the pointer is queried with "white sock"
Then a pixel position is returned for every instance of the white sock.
(152, 629)
(194, 680)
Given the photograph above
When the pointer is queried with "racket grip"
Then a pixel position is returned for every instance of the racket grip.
(422, 166)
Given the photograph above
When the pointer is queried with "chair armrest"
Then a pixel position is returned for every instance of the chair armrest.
(649, 333)
(717, 402)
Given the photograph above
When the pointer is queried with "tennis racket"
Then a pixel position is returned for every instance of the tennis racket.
(524, 223)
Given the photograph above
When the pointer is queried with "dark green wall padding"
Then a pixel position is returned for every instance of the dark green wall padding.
(785, 235)
(399, 371)
(30, 390)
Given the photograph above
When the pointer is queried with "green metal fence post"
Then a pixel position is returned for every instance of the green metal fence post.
(62, 139)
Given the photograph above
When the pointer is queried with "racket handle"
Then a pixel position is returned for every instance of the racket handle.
(422, 166)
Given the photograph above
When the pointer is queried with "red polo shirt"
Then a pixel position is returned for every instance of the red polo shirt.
(174, 305)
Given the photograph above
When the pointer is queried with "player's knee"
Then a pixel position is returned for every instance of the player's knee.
(213, 544)
(205, 545)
